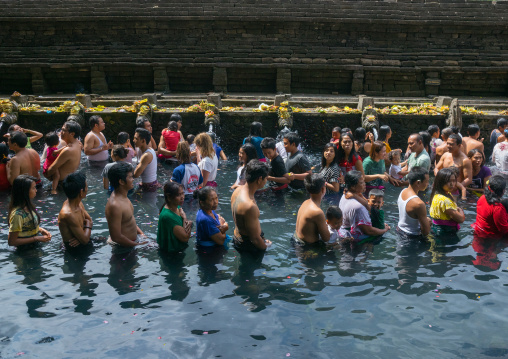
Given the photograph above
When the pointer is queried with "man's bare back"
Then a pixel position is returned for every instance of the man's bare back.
(69, 220)
(311, 222)
(68, 161)
(440, 151)
(472, 144)
(26, 161)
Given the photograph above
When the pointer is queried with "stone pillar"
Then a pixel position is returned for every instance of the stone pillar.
(220, 79)
(160, 79)
(151, 97)
(281, 98)
(215, 99)
(85, 100)
(443, 101)
(283, 80)
(364, 102)
(99, 84)
(432, 82)
(39, 85)
(357, 84)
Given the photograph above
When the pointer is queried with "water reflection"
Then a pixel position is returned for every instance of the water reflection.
(123, 264)
(176, 272)
(209, 258)
(487, 250)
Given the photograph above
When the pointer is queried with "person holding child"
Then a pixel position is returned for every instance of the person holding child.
(277, 176)
(246, 153)
(52, 152)
(187, 173)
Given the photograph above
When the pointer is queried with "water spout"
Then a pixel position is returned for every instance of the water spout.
(210, 127)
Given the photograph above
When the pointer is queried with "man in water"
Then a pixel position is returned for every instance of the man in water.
(144, 122)
(26, 160)
(147, 163)
(311, 221)
(119, 210)
(472, 142)
(73, 220)
(68, 160)
(297, 165)
(248, 235)
(443, 148)
(419, 156)
(96, 147)
(456, 158)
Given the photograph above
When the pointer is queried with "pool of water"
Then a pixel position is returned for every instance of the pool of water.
(389, 299)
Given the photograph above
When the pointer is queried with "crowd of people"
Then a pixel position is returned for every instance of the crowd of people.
(352, 176)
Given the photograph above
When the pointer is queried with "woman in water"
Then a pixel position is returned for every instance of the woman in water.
(210, 227)
(374, 166)
(246, 153)
(209, 161)
(362, 146)
(23, 218)
(491, 215)
(481, 173)
(256, 129)
(173, 230)
(500, 156)
(188, 173)
(330, 170)
(446, 216)
(347, 158)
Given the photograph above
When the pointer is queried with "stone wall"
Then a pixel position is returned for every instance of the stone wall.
(375, 47)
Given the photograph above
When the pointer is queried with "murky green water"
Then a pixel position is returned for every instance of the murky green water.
(392, 299)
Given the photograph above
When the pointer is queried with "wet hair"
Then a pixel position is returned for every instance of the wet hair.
(204, 142)
(455, 129)
(495, 189)
(457, 138)
(256, 129)
(119, 151)
(341, 154)
(119, 172)
(447, 132)
(51, 139)
(19, 138)
(73, 127)
(144, 135)
(140, 121)
(171, 190)
(202, 194)
(172, 126)
(4, 153)
(377, 146)
(20, 196)
(383, 132)
(292, 137)
(183, 152)
(175, 117)
(376, 192)
(345, 130)
(337, 129)
(473, 152)
(73, 184)
(352, 178)
(426, 138)
(94, 120)
(417, 173)
(393, 154)
(333, 212)
(123, 137)
(442, 178)
(314, 183)
(268, 143)
(502, 122)
(433, 129)
(190, 139)
(254, 170)
(360, 134)
(473, 129)
(250, 150)
(323, 159)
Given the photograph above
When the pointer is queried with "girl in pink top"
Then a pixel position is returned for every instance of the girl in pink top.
(52, 140)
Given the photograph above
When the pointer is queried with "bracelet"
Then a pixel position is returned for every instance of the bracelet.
(87, 227)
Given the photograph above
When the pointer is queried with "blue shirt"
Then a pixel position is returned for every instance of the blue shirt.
(218, 150)
(206, 227)
(256, 141)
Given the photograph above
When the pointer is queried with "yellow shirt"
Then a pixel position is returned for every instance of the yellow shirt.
(439, 206)
(388, 148)
(21, 221)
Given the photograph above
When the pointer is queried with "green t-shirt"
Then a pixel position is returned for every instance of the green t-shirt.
(165, 237)
(371, 167)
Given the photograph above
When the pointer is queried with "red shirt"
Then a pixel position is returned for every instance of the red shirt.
(491, 219)
(4, 183)
(171, 139)
(348, 166)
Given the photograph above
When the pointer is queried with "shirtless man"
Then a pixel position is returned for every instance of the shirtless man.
(248, 235)
(68, 160)
(119, 210)
(26, 160)
(471, 142)
(413, 220)
(96, 147)
(147, 163)
(311, 221)
(456, 158)
(442, 149)
(73, 220)
(144, 122)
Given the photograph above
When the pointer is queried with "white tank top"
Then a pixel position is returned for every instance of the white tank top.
(406, 223)
(101, 156)
(149, 175)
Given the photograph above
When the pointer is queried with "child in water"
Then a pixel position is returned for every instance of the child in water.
(459, 189)
(52, 140)
(396, 166)
(336, 136)
(124, 140)
(118, 153)
(376, 201)
(334, 221)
